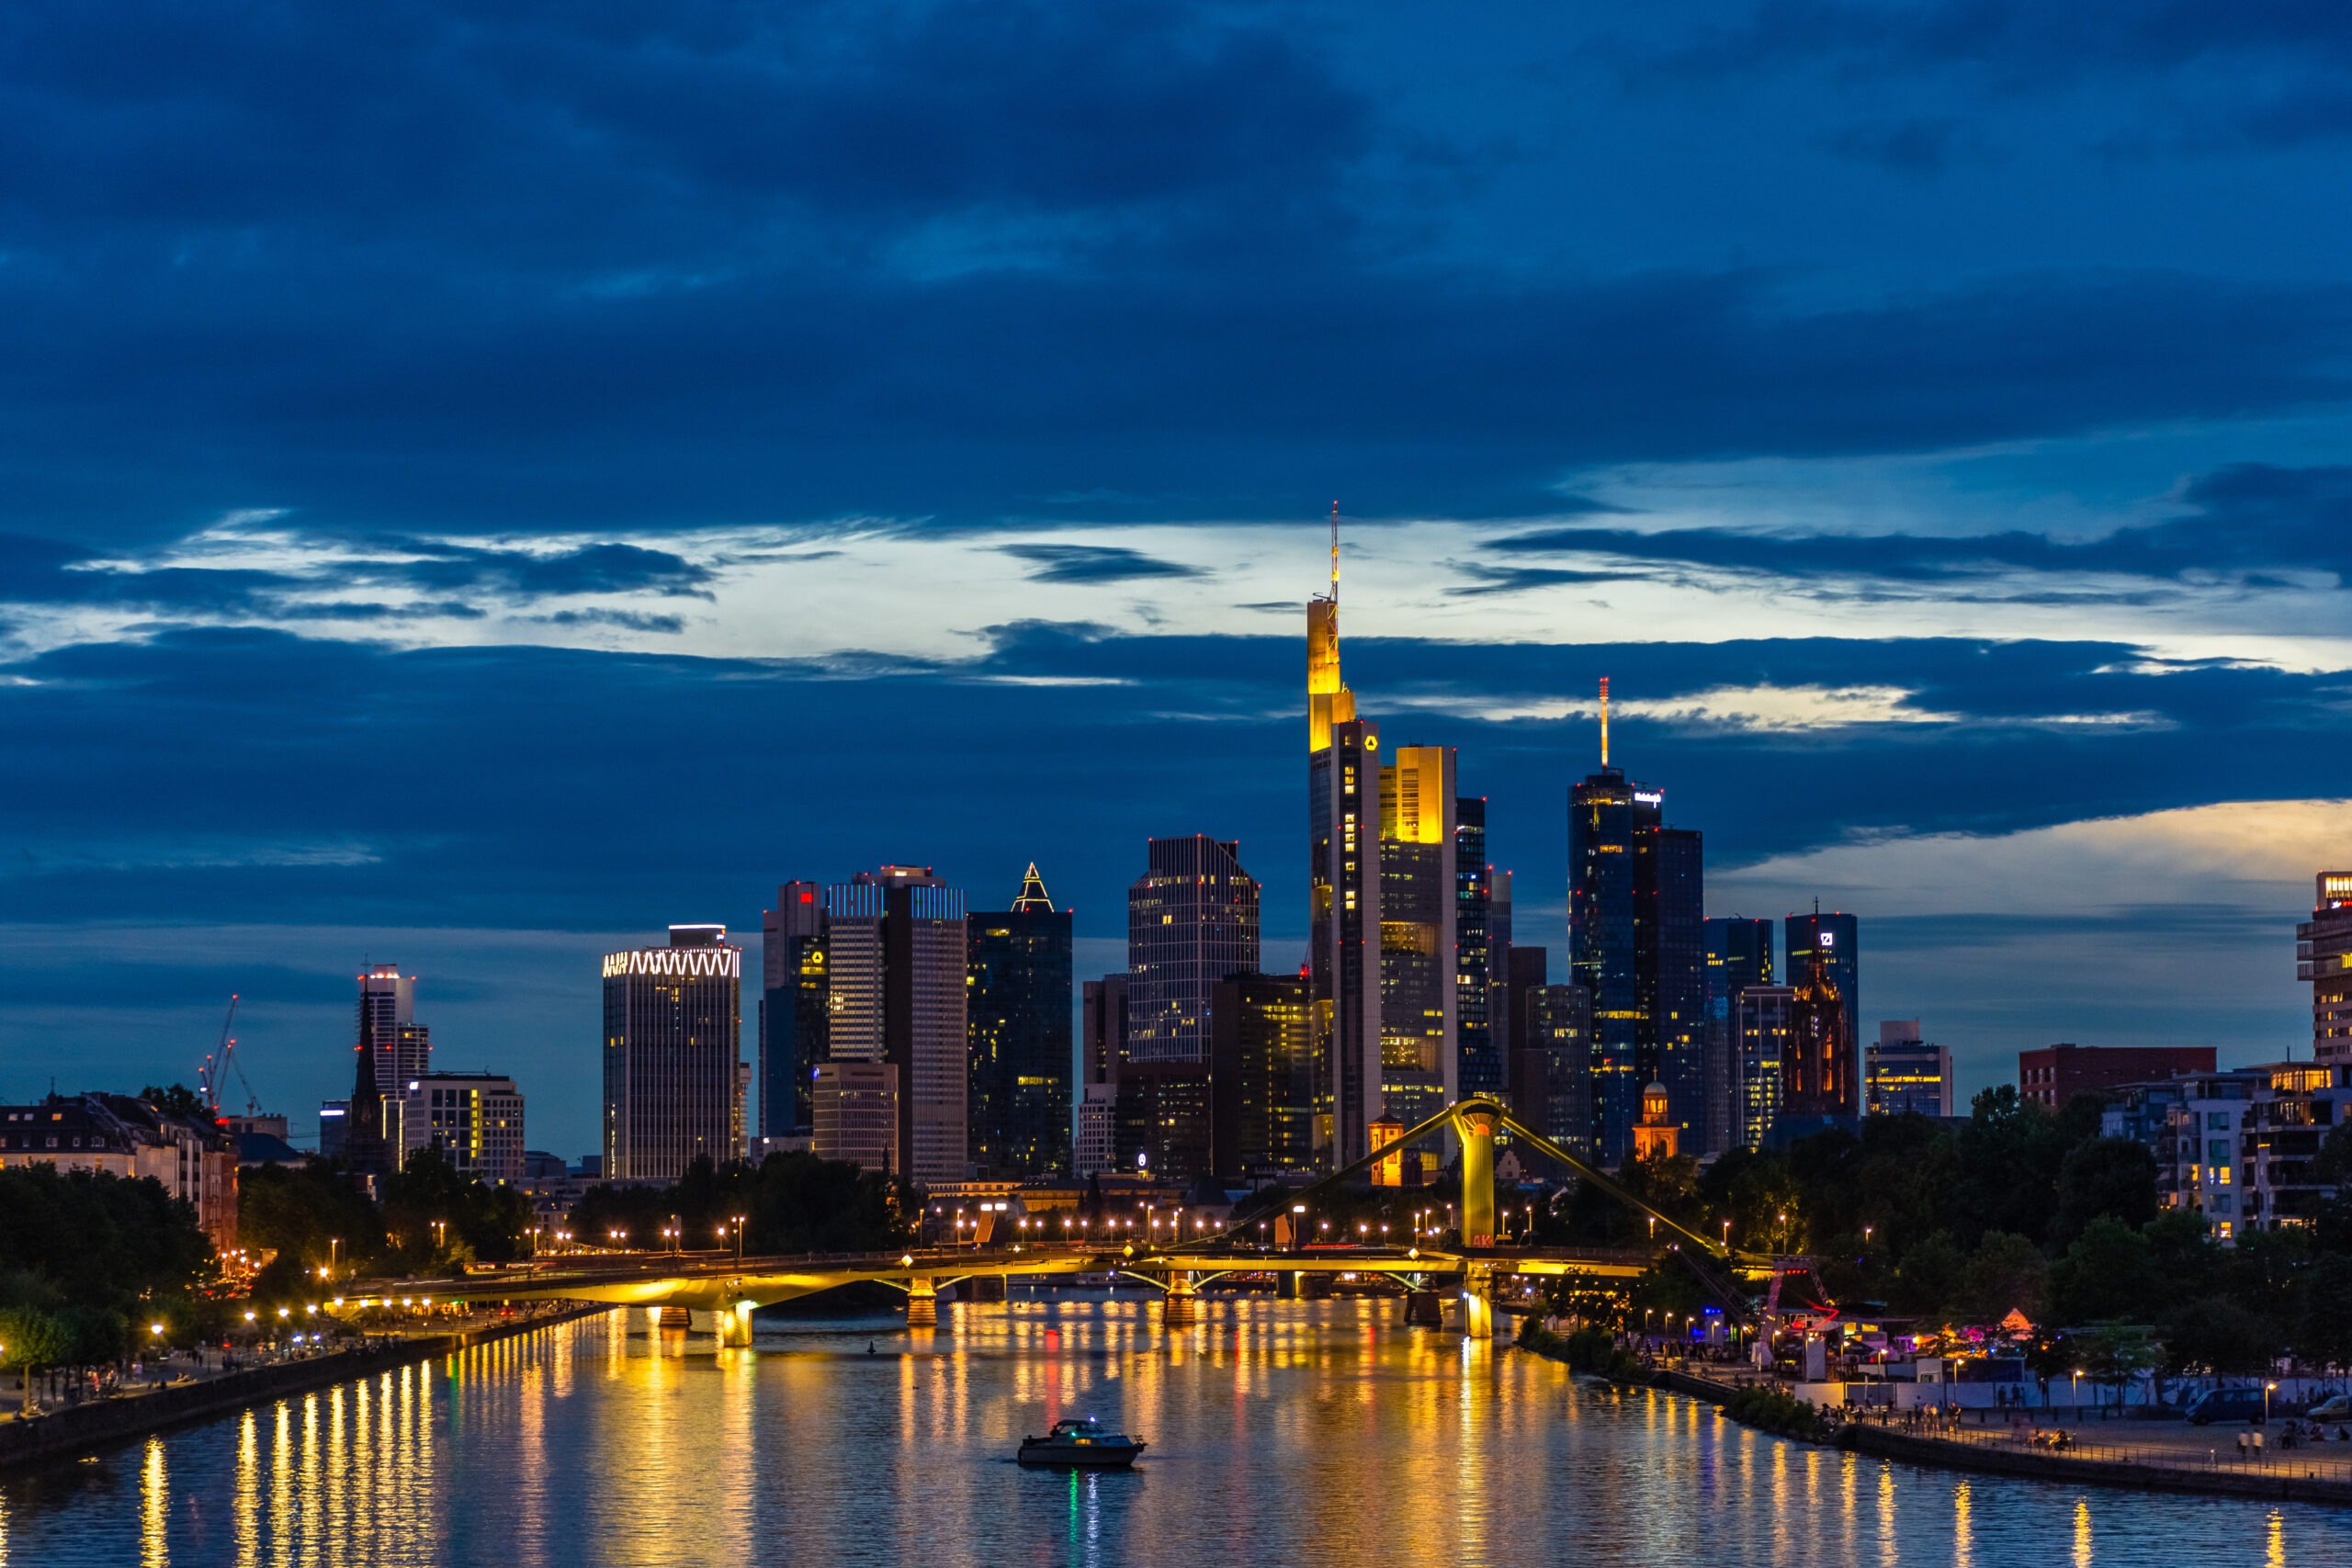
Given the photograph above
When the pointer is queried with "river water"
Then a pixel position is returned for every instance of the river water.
(1281, 1433)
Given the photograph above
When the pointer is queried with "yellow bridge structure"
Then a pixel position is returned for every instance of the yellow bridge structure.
(730, 1289)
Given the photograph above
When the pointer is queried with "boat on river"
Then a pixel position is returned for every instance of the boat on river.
(1081, 1441)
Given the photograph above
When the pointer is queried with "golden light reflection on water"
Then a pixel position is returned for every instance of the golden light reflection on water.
(1299, 1432)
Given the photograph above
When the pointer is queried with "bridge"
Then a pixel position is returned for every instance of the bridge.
(731, 1288)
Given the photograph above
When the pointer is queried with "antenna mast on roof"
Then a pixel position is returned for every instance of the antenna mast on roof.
(1604, 723)
(1335, 552)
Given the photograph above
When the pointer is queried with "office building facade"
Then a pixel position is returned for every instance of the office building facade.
(1018, 1015)
(474, 1119)
(1763, 1021)
(120, 1134)
(1550, 1092)
(1903, 1075)
(1421, 907)
(853, 1114)
(2055, 1073)
(794, 996)
(1481, 939)
(1740, 955)
(1262, 1077)
(1192, 923)
(673, 1042)
(896, 942)
(2323, 959)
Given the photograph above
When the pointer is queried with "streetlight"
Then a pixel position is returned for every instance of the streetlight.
(2265, 1403)
(1727, 1236)
(739, 1240)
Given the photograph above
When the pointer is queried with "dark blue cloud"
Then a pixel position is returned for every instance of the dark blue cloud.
(1095, 563)
(2242, 518)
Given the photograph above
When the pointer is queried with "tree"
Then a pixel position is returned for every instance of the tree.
(2217, 1337)
(177, 1100)
(2115, 1177)
(2323, 1337)
(1931, 1276)
(2003, 1275)
(311, 1216)
(2108, 1272)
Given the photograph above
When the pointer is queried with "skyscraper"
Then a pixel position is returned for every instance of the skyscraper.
(1343, 890)
(673, 1040)
(1740, 955)
(792, 1008)
(895, 950)
(1761, 1024)
(1262, 1111)
(1421, 906)
(474, 1119)
(1386, 898)
(1552, 1073)
(398, 1046)
(1637, 942)
(1191, 922)
(1498, 967)
(2323, 957)
(1902, 1074)
(1479, 939)
(390, 1049)
(1838, 937)
(1019, 965)
(1103, 1042)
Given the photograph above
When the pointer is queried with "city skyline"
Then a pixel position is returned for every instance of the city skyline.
(1936, 432)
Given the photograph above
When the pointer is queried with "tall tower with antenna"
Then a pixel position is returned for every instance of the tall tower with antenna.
(1637, 944)
(1344, 889)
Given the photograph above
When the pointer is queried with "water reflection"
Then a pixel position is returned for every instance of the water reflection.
(1294, 1432)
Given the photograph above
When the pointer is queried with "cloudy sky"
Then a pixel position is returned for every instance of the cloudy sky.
(484, 481)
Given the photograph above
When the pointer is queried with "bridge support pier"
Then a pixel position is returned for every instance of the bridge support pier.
(922, 1304)
(735, 1324)
(1477, 1301)
(1182, 1307)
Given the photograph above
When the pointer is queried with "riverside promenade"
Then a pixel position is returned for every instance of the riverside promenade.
(137, 1409)
(2148, 1456)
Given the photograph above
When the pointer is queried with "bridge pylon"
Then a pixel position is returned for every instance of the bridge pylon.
(1476, 1123)
(922, 1303)
(1181, 1308)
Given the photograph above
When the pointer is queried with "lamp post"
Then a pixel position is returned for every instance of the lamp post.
(739, 1240)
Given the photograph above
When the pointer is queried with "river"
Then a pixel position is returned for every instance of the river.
(1281, 1433)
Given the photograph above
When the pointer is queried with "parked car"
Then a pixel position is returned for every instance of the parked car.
(2227, 1405)
(2339, 1408)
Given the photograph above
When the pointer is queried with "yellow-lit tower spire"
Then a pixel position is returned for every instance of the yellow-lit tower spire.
(1329, 701)
(1604, 722)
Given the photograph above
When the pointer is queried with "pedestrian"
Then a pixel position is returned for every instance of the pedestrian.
(2241, 1445)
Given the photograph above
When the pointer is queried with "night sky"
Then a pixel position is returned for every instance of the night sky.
(485, 481)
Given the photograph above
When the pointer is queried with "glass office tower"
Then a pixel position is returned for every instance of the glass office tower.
(1019, 975)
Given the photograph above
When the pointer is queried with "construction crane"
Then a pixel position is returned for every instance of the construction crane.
(219, 1063)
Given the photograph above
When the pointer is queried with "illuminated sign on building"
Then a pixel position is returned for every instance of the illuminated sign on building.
(1650, 797)
(683, 963)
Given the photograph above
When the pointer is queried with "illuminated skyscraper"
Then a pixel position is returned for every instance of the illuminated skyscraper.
(792, 1008)
(1902, 1074)
(1760, 1024)
(1385, 899)
(673, 1040)
(895, 953)
(1343, 891)
(1740, 955)
(1637, 942)
(1420, 905)
(1481, 939)
(1551, 1073)
(2323, 957)
(1020, 1028)
(391, 1047)
(1191, 922)
(1262, 1111)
